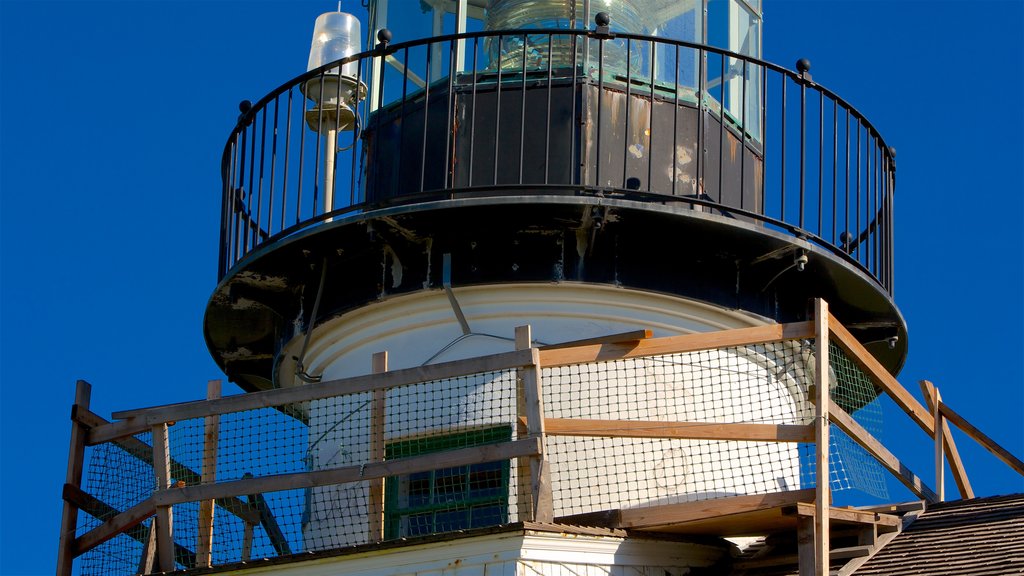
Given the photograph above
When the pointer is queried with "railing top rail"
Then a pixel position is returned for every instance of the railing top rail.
(141, 419)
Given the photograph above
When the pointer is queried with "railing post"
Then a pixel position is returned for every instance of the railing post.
(211, 435)
(164, 514)
(76, 462)
(375, 507)
(940, 461)
(528, 397)
(823, 497)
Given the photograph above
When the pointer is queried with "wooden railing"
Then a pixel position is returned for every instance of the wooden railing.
(535, 503)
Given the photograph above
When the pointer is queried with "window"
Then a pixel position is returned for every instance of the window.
(450, 498)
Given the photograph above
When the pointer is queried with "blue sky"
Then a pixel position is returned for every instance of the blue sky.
(113, 116)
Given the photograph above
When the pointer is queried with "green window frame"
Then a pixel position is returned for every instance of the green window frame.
(447, 499)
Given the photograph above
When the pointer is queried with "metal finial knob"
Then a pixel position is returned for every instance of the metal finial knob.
(892, 152)
(803, 65)
(602, 19)
(384, 36)
(244, 106)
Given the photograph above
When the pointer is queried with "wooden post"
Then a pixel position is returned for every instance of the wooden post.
(164, 515)
(956, 465)
(211, 435)
(247, 531)
(805, 545)
(822, 502)
(940, 461)
(523, 504)
(377, 451)
(540, 504)
(76, 462)
(148, 558)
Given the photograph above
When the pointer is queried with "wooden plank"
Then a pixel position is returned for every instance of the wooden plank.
(678, 430)
(144, 452)
(980, 437)
(164, 513)
(620, 338)
(963, 484)
(540, 476)
(847, 424)
(73, 477)
(114, 526)
(377, 450)
(676, 344)
(146, 417)
(672, 514)
(211, 435)
(823, 492)
(398, 467)
(880, 376)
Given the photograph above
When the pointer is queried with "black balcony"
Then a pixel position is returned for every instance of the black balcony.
(571, 119)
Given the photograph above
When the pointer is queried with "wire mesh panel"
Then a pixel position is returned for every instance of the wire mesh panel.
(764, 384)
(336, 432)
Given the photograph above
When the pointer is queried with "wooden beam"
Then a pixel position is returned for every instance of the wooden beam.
(823, 478)
(524, 498)
(379, 365)
(147, 417)
(211, 434)
(668, 514)
(114, 526)
(144, 452)
(679, 430)
(676, 344)
(847, 424)
(980, 437)
(963, 484)
(880, 376)
(398, 467)
(620, 338)
(164, 513)
(73, 477)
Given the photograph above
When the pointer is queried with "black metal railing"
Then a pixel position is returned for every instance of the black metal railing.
(562, 112)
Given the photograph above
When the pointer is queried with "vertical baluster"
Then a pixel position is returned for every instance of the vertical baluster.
(273, 170)
(547, 123)
(650, 124)
(675, 123)
(721, 129)
(287, 150)
(626, 128)
(743, 132)
(522, 113)
(472, 117)
(497, 112)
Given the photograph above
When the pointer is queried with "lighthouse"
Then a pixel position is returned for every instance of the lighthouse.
(587, 168)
